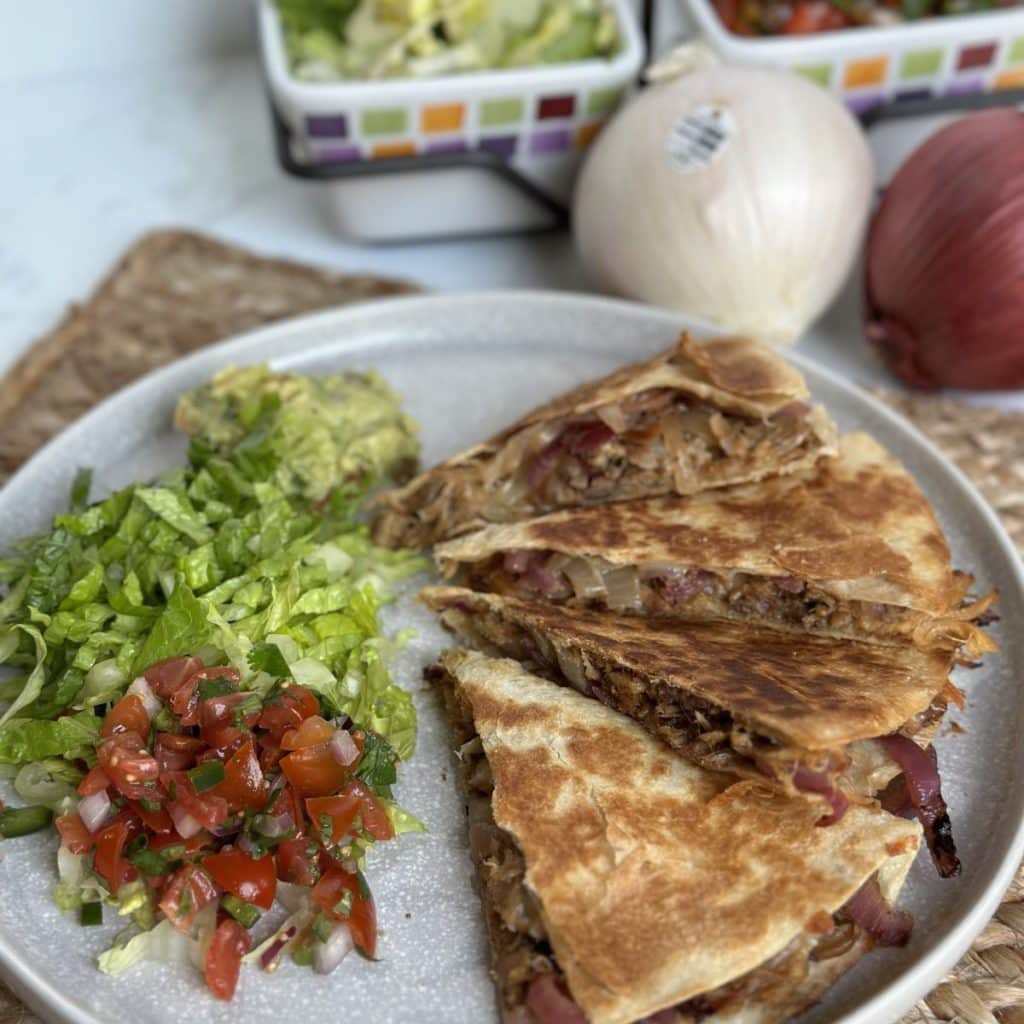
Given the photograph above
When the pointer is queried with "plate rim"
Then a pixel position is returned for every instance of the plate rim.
(902, 991)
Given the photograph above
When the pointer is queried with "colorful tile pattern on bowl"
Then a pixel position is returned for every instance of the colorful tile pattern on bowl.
(511, 127)
(921, 73)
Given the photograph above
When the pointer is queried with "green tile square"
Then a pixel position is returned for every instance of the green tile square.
(921, 63)
(501, 111)
(603, 101)
(384, 121)
(820, 73)
(1015, 51)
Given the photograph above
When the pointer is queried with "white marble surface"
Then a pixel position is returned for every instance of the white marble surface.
(160, 121)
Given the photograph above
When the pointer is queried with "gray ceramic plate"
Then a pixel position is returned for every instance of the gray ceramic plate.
(466, 366)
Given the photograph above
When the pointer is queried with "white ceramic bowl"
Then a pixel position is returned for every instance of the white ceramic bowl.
(469, 153)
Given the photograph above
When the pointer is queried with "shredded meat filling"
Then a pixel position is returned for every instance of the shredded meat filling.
(620, 451)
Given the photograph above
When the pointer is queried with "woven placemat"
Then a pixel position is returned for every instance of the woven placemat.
(176, 291)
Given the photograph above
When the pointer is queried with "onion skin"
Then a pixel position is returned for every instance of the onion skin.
(944, 286)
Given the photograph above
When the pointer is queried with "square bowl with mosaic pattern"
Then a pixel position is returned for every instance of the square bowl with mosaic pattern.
(928, 59)
(461, 154)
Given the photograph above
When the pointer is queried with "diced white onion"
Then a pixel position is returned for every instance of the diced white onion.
(330, 953)
(586, 581)
(150, 700)
(623, 588)
(185, 825)
(344, 748)
(95, 810)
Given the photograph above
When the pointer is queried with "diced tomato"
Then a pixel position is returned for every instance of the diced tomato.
(127, 715)
(188, 891)
(217, 719)
(297, 861)
(312, 731)
(96, 781)
(224, 957)
(814, 16)
(252, 879)
(287, 709)
(130, 767)
(185, 701)
(270, 752)
(74, 836)
(243, 785)
(166, 676)
(208, 809)
(340, 810)
(374, 817)
(158, 821)
(361, 918)
(176, 753)
(109, 860)
(192, 845)
(314, 771)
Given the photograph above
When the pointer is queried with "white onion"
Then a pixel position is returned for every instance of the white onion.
(757, 229)
(185, 825)
(343, 747)
(330, 953)
(150, 700)
(585, 579)
(623, 588)
(95, 810)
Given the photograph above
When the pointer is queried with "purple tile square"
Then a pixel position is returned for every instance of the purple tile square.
(860, 105)
(320, 126)
(338, 154)
(501, 145)
(555, 141)
(913, 95)
(446, 146)
(964, 86)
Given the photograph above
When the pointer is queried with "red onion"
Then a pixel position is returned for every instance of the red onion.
(268, 959)
(343, 747)
(330, 953)
(867, 907)
(925, 791)
(550, 1004)
(945, 266)
(517, 562)
(818, 782)
(273, 825)
(95, 810)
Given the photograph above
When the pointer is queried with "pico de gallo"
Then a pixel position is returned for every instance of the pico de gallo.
(205, 798)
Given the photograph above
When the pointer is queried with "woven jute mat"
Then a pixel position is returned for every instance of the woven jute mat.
(176, 291)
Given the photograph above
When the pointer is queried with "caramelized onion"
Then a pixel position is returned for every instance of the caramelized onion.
(550, 1003)
(586, 581)
(945, 264)
(888, 926)
(623, 588)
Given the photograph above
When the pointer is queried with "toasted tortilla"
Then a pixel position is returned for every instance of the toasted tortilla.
(859, 528)
(737, 376)
(810, 693)
(657, 881)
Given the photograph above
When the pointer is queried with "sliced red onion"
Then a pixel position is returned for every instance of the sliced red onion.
(588, 436)
(809, 781)
(550, 1003)
(185, 825)
(546, 582)
(790, 584)
(344, 748)
(150, 700)
(544, 462)
(95, 810)
(273, 826)
(246, 845)
(330, 953)
(924, 788)
(682, 585)
(517, 562)
(268, 961)
(888, 926)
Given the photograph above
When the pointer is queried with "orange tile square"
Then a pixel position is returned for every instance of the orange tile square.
(386, 150)
(586, 133)
(1010, 79)
(865, 72)
(446, 118)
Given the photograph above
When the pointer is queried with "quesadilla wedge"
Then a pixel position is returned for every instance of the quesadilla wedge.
(839, 719)
(621, 881)
(852, 550)
(703, 414)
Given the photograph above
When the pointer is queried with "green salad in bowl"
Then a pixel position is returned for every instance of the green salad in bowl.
(376, 39)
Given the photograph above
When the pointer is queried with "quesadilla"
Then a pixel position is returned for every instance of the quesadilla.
(837, 718)
(853, 550)
(703, 414)
(620, 881)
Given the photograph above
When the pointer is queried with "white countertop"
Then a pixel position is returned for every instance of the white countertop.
(103, 146)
